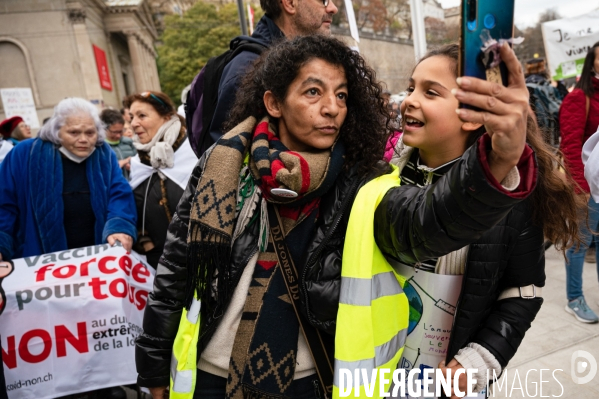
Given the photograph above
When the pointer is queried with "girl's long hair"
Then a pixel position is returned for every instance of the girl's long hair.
(585, 83)
(555, 205)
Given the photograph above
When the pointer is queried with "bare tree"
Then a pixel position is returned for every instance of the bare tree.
(533, 37)
(379, 16)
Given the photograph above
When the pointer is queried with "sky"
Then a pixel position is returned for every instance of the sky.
(527, 11)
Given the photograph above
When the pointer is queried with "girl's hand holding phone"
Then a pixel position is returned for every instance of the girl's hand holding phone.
(503, 111)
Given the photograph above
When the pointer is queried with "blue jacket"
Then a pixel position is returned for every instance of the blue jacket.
(31, 206)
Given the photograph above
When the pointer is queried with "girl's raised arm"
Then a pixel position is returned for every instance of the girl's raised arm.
(503, 111)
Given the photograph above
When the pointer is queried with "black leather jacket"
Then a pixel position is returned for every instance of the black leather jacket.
(509, 254)
(459, 208)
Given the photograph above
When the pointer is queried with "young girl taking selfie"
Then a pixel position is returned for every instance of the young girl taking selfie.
(491, 290)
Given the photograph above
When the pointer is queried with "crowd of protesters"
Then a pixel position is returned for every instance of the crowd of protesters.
(306, 142)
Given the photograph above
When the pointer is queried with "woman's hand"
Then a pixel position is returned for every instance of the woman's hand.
(125, 163)
(454, 366)
(159, 392)
(503, 112)
(125, 240)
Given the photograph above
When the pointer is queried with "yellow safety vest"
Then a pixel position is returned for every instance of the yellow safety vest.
(372, 322)
(185, 351)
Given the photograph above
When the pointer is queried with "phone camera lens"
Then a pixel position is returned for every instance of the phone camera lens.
(489, 21)
(471, 10)
(471, 14)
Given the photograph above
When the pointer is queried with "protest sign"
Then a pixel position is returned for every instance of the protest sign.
(432, 299)
(567, 42)
(19, 102)
(68, 320)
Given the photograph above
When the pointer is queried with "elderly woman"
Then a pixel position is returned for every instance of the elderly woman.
(161, 169)
(308, 128)
(64, 189)
(15, 130)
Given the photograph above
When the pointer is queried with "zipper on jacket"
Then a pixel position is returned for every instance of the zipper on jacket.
(429, 178)
(315, 256)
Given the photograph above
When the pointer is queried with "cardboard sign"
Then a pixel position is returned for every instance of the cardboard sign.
(19, 102)
(102, 66)
(68, 320)
(567, 42)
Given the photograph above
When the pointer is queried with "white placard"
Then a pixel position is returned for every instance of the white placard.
(69, 319)
(567, 42)
(433, 299)
(19, 102)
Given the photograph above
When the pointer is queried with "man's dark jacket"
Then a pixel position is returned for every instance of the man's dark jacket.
(266, 33)
(411, 223)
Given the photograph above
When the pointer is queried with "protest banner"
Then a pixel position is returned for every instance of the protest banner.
(19, 102)
(68, 320)
(567, 42)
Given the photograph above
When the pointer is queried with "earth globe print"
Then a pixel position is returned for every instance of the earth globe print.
(415, 304)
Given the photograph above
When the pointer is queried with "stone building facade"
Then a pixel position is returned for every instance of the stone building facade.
(391, 57)
(433, 9)
(56, 48)
(453, 16)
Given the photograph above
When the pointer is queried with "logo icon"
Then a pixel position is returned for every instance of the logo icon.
(582, 362)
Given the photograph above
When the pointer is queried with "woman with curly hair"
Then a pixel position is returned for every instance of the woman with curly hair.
(308, 128)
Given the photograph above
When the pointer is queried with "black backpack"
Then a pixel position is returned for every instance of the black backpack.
(545, 100)
(203, 94)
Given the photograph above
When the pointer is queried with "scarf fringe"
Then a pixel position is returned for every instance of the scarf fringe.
(249, 393)
(208, 258)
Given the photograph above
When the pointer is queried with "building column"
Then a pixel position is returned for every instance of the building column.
(155, 73)
(136, 61)
(144, 57)
(115, 67)
(153, 69)
(87, 61)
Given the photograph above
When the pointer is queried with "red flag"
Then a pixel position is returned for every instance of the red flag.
(102, 66)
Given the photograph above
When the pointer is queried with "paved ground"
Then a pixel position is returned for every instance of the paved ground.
(554, 336)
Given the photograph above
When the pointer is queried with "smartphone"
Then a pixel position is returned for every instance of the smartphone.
(497, 17)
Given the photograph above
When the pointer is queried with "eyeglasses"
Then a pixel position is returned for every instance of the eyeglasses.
(147, 94)
(116, 131)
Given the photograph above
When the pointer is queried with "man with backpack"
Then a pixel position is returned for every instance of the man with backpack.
(213, 90)
(545, 100)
